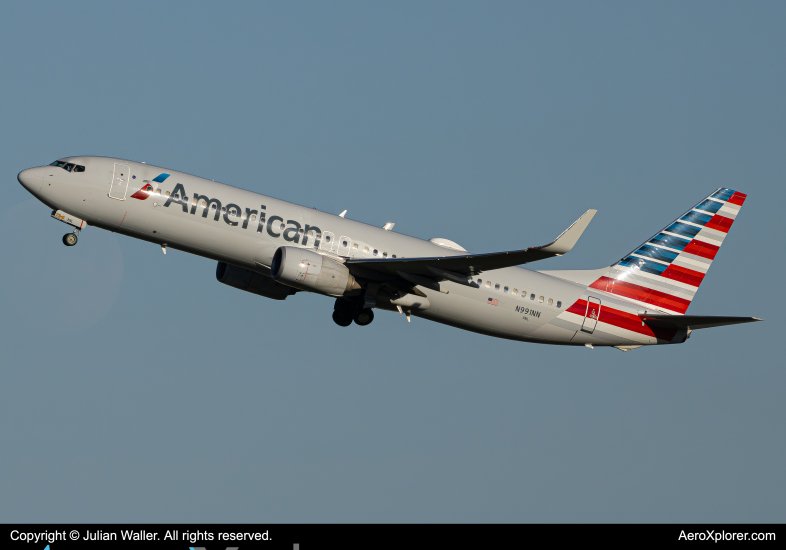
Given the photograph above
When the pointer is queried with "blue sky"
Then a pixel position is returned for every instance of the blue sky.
(134, 387)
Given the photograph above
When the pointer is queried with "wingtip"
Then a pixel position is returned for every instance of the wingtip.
(568, 239)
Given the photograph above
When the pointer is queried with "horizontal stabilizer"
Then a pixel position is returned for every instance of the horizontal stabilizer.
(693, 321)
(472, 264)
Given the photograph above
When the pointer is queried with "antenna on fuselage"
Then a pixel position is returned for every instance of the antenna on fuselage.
(342, 214)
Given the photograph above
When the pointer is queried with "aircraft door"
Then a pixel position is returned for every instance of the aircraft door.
(327, 240)
(591, 315)
(120, 179)
(343, 246)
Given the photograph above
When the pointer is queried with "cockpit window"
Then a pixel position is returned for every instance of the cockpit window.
(68, 166)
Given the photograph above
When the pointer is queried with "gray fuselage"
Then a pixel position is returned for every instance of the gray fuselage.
(244, 229)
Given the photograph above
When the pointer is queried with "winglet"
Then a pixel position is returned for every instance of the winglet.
(565, 242)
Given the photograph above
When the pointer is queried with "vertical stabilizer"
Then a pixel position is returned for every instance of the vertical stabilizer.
(665, 272)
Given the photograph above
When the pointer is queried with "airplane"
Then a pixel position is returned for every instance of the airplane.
(274, 249)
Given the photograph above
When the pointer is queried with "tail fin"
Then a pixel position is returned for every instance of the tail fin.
(666, 271)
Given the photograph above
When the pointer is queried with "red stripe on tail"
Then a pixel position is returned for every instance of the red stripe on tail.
(700, 248)
(737, 198)
(642, 294)
(683, 275)
(624, 320)
(719, 223)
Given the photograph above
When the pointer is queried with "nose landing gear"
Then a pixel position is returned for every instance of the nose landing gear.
(69, 239)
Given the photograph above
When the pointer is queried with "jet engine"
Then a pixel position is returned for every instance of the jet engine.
(251, 281)
(311, 271)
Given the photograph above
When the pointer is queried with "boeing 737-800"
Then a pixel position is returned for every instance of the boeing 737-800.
(274, 249)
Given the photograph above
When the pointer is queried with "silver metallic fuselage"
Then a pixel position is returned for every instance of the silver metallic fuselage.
(185, 227)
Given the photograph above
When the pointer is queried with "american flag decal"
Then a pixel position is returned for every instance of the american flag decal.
(493, 302)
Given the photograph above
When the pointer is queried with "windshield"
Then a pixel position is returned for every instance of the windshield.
(68, 166)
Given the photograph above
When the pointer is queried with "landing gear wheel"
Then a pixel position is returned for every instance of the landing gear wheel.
(341, 320)
(364, 317)
(69, 239)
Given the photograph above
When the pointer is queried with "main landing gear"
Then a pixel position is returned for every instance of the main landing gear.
(344, 312)
(69, 239)
(364, 317)
(341, 319)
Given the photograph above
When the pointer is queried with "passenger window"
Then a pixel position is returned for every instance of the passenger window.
(540, 299)
(365, 249)
(224, 211)
(193, 201)
(515, 292)
(167, 193)
(384, 254)
(551, 302)
(253, 217)
(559, 304)
(300, 232)
(283, 225)
(376, 252)
(213, 206)
(488, 284)
(480, 282)
(496, 287)
(394, 256)
(203, 204)
(505, 289)
(327, 238)
(531, 296)
(355, 246)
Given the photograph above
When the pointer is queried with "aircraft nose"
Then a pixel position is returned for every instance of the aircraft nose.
(31, 179)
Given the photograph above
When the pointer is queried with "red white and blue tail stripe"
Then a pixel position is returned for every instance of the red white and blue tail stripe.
(665, 272)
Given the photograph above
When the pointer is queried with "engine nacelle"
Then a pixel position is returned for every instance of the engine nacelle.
(311, 271)
(251, 281)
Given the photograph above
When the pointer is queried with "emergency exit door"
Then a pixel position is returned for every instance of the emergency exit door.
(343, 246)
(120, 179)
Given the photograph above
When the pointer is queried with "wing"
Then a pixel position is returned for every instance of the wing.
(693, 321)
(459, 268)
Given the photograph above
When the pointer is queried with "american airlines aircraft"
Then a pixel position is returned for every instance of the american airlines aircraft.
(274, 248)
